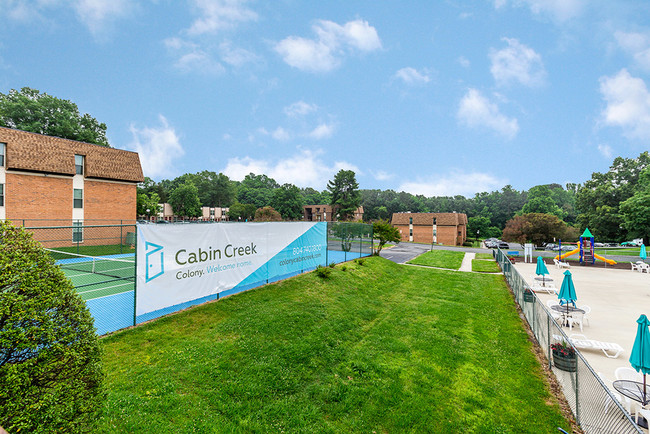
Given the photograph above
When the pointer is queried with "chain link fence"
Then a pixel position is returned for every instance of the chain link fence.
(347, 241)
(595, 407)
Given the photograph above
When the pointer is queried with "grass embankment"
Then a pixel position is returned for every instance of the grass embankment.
(377, 347)
(440, 259)
(485, 265)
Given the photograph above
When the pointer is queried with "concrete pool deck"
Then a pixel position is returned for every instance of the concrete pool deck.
(617, 298)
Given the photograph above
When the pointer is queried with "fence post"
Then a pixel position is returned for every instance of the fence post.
(577, 393)
(121, 239)
(548, 336)
(135, 278)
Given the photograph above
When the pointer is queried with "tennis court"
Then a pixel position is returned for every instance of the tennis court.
(97, 276)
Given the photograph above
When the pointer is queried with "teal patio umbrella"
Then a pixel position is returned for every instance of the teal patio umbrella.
(541, 269)
(642, 252)
(567, 291)
(640, 357)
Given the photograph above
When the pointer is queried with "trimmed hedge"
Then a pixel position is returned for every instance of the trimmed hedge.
(50, 372)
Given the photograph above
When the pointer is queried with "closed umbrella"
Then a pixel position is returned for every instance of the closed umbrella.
(541, 269)
(640, 357)
(567, 291)
(642, 252)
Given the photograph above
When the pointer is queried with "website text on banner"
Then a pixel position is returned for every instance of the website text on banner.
(178, 264)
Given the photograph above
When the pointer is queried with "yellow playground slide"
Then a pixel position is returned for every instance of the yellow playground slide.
(573, 252)
(609, 261)
(567, 254)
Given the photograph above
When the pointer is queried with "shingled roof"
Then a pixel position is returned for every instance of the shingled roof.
(38, 153)
(426, 218)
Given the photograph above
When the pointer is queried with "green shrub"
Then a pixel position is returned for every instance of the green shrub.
(323, 272)
(359, 261)
(50, 372)
(344, 267)
(332, 264)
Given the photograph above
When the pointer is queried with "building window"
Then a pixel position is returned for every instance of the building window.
(434, 220)
(3, 148)
(410, 232)
(77, 232)
(410, 220)
(2, 195)
(79, 164)
(78, 198)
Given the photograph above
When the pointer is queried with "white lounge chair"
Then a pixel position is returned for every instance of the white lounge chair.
(561, 264)
(635, 266)
(644, 268)
(582, 342)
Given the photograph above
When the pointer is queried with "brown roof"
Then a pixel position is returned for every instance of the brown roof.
(39, 153)
(426, 218)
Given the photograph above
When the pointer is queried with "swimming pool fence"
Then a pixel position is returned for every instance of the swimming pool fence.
(594, 406)
(112, 299)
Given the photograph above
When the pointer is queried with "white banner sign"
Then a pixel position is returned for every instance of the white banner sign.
(180, 263)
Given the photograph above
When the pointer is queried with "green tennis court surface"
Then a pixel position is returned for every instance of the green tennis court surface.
(97, 276)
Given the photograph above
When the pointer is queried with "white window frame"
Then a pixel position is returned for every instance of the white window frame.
(78, 232)
(82, 165)
(74, 199)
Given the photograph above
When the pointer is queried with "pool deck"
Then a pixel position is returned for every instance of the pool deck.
(617, 298)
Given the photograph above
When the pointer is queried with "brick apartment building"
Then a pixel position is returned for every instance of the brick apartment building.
(442, 228)
(326, 213)
(48, 178)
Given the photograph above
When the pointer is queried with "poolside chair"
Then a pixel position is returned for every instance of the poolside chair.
(575, 318)
(624, 400)
(585, 316)
(644, 268)
(582, 342)
(561, 264)
(627, 373)
(635, 266)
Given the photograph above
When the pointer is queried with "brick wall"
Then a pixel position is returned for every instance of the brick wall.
(37, 197)
(109, 201)
(422, 234)
(447, 235)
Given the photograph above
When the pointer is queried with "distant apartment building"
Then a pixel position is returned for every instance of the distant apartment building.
(442, 228)
(215, 214)
(44, 177)
(327, 213)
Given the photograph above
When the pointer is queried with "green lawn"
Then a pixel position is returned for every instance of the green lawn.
(375, 348)
(440, 258)
(484, 256)
(485, 266)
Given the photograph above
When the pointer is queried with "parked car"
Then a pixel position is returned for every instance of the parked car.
(550, 246)
(630, 244)
(503, 245)
(490, 244)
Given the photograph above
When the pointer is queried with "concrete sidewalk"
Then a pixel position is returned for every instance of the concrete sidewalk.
(466, 265)
(617, 298)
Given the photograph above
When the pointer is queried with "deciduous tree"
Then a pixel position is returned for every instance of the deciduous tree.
(30, 110)
(384, 232)
(185, 200)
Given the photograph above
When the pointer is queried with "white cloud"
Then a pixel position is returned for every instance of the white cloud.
(559, 10)
(236, 56)
(322, 131)
(454, 183)
(517, 63)
(280, 134)
(628, 104)
(477, 111)
(412, 76)
(191, 57)
(158, 148)
(216, 15)
(606, 151)
(97, 14)
(305, 169)
(299, 108)
(464, 62)
(636, 44)
(383, 175)
(332, 42)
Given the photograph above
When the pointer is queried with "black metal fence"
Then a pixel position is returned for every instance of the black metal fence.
(594, 406)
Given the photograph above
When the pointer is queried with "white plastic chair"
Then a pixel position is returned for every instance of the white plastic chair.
(624, 400)
(634, 266)
(585, 317)
(626, 373)
(556, 315)
(575, 318)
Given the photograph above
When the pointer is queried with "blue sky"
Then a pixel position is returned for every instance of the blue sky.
(430, 97)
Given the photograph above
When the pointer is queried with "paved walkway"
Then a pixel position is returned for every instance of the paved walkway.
(467, 262)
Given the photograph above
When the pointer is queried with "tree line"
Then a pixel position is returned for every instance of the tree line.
(613, 205)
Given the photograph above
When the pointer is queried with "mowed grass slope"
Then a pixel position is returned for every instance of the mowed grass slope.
(375, 348)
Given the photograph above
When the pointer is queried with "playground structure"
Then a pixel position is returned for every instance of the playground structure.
(586, 249)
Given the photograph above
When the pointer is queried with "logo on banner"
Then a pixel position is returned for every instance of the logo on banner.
(154, 261)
